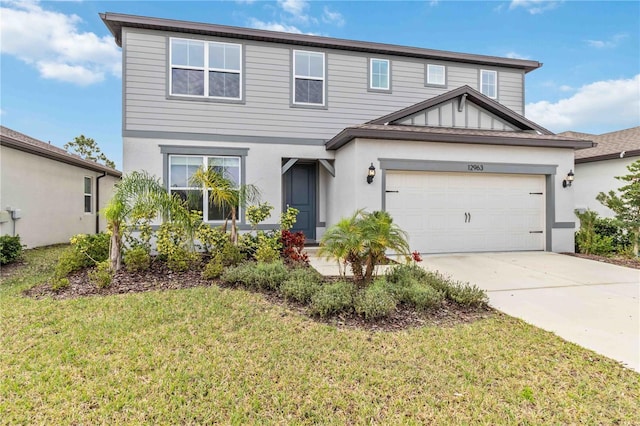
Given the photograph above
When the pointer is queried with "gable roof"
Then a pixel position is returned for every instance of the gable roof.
(446, 134)
(116, 21)
(612, 145)
(472, 95)
(22, 142)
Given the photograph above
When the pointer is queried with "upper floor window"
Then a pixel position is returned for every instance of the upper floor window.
(182, 168)
(207, 69)
(489, 83)
(436, 75)
(308, 78)
(379, 74)
(88, 194)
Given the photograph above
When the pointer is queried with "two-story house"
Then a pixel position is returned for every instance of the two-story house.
(329, 126)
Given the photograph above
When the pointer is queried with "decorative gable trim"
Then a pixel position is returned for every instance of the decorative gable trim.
(464, 95)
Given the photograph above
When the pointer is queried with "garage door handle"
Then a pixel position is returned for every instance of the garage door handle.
(391, 191)
(535, 232)
(466, 217)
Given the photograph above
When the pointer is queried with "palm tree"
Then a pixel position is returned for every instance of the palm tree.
(362, 241)
(138, 194)
(226, 194)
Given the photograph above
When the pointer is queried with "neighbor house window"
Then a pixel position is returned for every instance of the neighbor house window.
(206, 69)
(308, 78)
(182, 168)
(489, 83)
(88, 194)
(379, 74)
(436, 75)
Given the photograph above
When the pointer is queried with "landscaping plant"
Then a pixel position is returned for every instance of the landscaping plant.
(10, 249)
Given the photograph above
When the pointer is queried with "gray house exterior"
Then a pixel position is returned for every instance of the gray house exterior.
(305, 117)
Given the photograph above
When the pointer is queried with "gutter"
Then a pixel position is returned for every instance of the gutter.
(98, 201)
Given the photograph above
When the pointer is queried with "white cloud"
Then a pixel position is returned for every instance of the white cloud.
(611, 103)
(296, 8)
(331, 17)
(566, 88)
(515, 55)
(607, 44)
(53, 43)
(534, 7)
(273, 26)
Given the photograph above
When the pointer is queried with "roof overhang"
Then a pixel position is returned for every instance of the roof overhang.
(52, 155)
(448, 135)
(115, 22)
(611, 156)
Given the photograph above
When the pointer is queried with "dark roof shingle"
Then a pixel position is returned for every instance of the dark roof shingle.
(618, 144)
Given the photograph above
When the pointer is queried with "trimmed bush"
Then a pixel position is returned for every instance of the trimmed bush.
(102, 275)
(10, 249)
(333, 298)
(424, 297)
(230, 255)
(467, 295)
(69, 261)
(375, 301)
(265, 276)
(137, 259)
(213, 269)
(301, 285)
(406, 274)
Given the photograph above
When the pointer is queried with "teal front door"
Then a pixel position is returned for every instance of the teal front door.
(300, 193)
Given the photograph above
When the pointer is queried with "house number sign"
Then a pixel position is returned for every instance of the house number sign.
(475, 167)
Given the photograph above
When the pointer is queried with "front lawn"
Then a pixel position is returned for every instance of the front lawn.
(205, 355)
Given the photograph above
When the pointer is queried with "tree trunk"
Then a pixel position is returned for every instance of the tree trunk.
(234, 230)
(115, 255)
(635, 241)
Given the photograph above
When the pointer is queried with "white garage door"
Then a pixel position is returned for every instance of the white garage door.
(468, 212)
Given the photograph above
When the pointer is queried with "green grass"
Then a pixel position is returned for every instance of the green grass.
(208, 355)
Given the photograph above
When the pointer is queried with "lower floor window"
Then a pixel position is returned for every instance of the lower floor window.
(181, 170)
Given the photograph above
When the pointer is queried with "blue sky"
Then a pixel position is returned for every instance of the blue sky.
(60, 68)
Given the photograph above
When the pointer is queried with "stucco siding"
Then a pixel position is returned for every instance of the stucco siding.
(361, 195)
(598, 176)
(50, 195)
(266, 109)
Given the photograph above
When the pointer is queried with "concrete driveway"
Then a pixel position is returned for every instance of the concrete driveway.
(590, 303)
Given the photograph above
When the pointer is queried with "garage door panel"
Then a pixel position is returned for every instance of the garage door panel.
(464, 212)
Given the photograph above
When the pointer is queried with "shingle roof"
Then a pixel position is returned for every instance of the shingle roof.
(116, 21)
(619, 144)
(446, 134)
(22, 142)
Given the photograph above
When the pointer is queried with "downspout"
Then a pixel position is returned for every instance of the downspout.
(98, 201)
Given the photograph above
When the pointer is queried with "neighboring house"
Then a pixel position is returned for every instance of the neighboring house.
(597, 167)
(305, 118)
(47, 195)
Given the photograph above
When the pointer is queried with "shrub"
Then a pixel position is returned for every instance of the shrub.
(301, 284)
(288, 218)
(181, 259)
(230, 255)
(333, 298)
(102, 275)
(375, 301)
(258, 213)
(10, 249)
(211, 239)
(69, 261)
(267, 247)
(587, 239)
(137, 259)
(266, 254)
(266, 276)
(467, 295)
(406, 274)
(172, 246)
(607, 227)
(213, 268)
(424, 297)
(92, 248)
(293, 247)
(58, 284)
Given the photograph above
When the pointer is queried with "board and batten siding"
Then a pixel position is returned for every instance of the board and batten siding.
(266, 110)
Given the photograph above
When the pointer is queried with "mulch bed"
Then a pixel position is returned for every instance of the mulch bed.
(159, 277)
(620, 261)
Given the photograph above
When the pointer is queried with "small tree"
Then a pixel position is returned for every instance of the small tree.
(88, 149)
(226, 194)
(138, 194)
(362, 241)
(626, 205)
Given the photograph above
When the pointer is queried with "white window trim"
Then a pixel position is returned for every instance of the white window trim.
(371, 74)
(495, 73)
(87, 194)
(323, 78)
(444, 74)
(205, 193)
(206, 70)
